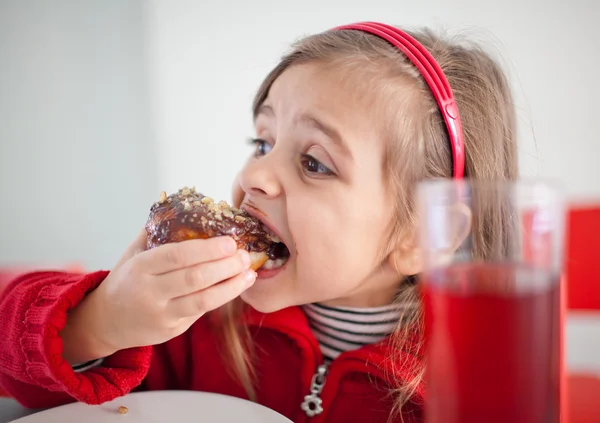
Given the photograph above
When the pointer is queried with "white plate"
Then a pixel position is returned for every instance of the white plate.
(162, 407)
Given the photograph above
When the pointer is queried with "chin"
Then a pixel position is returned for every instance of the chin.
(271, 291)
(262, 306)
(264, 302)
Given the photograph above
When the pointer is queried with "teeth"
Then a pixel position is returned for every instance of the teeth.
(274, 238)
(274, 264)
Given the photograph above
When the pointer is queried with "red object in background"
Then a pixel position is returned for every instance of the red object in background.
(583, 395)
(582, 272)
(582, 244)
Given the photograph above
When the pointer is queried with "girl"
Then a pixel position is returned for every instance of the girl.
(345, 127)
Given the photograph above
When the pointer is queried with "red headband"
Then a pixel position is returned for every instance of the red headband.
(435, 78)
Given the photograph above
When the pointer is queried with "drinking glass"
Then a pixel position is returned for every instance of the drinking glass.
(493, 255)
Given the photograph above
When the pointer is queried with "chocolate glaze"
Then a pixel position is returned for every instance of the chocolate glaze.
(188, 214)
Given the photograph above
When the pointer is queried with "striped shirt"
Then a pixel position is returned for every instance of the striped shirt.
(340, 329)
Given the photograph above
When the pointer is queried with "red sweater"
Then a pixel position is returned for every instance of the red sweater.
(33, 310)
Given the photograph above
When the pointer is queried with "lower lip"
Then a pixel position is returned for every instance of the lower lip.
(269, 273)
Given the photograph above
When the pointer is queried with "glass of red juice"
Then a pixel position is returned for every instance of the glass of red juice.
(492, 254)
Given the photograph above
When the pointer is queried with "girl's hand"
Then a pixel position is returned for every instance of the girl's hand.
(153, 296)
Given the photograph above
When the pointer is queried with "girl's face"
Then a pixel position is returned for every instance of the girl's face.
(316, 179)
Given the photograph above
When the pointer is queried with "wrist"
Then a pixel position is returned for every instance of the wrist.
(81, 340)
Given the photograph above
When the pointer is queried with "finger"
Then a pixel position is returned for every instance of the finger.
(178, 255)
(195, 278)
(211, 298)
(137, 246)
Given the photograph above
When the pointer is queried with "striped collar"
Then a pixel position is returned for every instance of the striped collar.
(340, 329)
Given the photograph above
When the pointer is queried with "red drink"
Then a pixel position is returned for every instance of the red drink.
(493, 344)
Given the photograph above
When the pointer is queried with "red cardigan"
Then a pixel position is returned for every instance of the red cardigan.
(33, 310)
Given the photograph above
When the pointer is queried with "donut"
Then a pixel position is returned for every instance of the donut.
(188, 214)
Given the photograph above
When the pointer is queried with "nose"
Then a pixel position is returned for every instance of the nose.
(259, 178)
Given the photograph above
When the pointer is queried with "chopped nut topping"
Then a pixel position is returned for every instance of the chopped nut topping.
(163, 197)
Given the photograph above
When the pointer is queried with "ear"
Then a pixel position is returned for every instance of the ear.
(444, 236)
(238, 193)
(406, 258)
(448, 228)
(463, 223)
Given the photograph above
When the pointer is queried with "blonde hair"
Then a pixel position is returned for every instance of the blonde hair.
(417, 146)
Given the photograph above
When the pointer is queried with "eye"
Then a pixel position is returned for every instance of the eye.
(313, 166)
(261, 147)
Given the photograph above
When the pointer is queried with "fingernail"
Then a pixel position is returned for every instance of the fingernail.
(245, 258)
(249, 276)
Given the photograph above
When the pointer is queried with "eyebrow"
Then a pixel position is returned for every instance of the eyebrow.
(312, 122)
(264, 110)
(315, 123)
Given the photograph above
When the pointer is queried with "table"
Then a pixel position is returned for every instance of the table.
(582, 338)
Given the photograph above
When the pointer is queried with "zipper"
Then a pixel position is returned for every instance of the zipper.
(313, 404)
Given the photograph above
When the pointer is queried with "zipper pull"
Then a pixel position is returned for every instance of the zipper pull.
(313, 404)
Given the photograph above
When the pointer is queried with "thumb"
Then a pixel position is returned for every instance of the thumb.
(138, 245)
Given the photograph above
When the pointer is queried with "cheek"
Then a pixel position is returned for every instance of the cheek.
(335, 245)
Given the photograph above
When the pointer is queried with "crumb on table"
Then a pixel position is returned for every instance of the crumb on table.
(123, 410)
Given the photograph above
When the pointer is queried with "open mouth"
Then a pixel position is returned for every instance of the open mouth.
(269, 247)
(278, 255)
